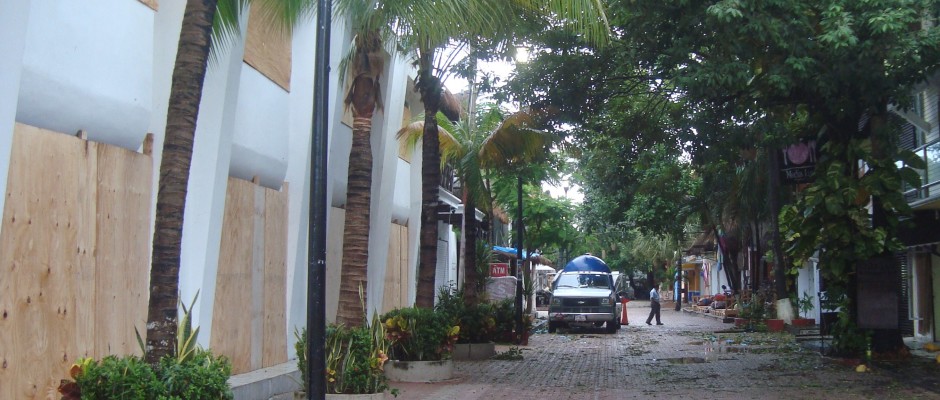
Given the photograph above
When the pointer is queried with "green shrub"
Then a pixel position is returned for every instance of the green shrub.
(505, 323)
(117, 378)
(201, 377)
(191, 374)
(355, 358)
(420, 334)
(477, 322)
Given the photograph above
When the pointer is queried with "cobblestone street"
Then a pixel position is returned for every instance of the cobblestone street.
(685, 358)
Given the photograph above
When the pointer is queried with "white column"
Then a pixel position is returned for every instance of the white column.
(385, 126)
(208, 180)
(13, 17)
(298, 164)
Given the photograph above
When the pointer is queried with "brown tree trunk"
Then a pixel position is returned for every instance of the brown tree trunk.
(189, 73)
(358, 203)
(469, 231)
(430, 88)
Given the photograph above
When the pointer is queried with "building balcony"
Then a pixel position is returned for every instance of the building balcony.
(927, 196)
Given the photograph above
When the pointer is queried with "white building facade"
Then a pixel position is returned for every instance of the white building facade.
(104, 67)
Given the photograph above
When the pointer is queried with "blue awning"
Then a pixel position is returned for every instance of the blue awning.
(511, 253)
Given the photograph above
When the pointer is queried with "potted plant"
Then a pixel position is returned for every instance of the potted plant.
(420, 344)
(477, 325)
(753, 312)
(805, 305)
(773, 323)
(355, 358)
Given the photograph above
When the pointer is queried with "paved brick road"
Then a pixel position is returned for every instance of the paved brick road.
(685, 359)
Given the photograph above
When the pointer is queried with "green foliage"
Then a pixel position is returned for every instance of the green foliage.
(477, 322)
(756, 308)
(118, 378)
(504, 316)
(194, 373)
(202, 376)
(355, 358)
(805, 304)
(847, 338)
(300, 349)
(420, 334)
(513, 354)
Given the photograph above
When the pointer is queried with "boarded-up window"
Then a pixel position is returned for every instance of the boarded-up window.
(249, 317)
(268, 50)
(150, 3)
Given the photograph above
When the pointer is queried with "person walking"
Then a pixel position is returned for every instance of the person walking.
(654, 307)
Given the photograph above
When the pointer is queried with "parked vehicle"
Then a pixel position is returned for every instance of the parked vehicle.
(584, 295)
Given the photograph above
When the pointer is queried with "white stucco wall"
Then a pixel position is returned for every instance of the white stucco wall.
(85, 69)
(14, 15)
(807, 282)
(208, 180)
(259, 146)
(300, 136)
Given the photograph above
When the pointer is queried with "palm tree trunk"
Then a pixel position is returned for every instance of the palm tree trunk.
(189, 73)
(471, 275)
(362, 98)
(430, 88)
(356, 233)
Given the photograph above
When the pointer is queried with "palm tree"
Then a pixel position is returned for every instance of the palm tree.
(586, 16)
(425, 27)
(476, 146)
(206, 24)
(366, 64)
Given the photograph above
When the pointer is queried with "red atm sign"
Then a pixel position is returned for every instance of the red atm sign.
(499, 269)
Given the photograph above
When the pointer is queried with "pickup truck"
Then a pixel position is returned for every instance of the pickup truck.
(583, 295)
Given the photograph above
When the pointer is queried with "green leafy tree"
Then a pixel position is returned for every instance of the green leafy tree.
(477, 146)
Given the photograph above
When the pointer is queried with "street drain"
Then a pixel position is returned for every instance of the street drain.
(686, 360)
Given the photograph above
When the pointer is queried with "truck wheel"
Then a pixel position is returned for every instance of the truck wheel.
(612, 326)
(552, 327)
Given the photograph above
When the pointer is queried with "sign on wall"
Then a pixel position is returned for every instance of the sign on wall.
(798, 162)
(499, 269)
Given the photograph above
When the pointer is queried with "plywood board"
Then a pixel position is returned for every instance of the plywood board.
(150, 3)
(408, 279)
(122, 257)
(257, 275)
(275, 349)
(46, 261)
(392, 297)
(231, 322)
(268, 50)
(398, 274)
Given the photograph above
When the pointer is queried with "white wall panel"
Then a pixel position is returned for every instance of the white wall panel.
(88, 65)
(259, 147)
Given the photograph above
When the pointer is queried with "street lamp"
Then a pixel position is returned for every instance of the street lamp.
(522, 56)
(519, 260)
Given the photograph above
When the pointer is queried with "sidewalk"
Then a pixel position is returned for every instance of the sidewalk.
(688, 357)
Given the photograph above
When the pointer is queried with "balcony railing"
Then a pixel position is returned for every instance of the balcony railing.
(930, 177)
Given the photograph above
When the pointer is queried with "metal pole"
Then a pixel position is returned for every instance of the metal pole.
(316, 246)
(518, 266)
(678, 285)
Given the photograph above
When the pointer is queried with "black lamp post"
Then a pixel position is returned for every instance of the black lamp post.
(678, 284)
(519, 260)
(316, 246)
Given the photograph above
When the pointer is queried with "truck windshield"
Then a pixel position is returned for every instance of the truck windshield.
(584, 280)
